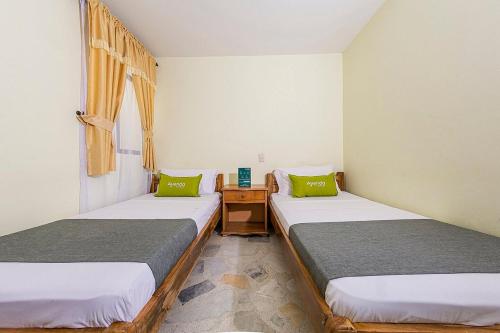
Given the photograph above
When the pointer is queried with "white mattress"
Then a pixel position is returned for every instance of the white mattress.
(79, 295)
(469, 299)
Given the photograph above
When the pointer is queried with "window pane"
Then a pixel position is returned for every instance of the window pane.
(129, 132)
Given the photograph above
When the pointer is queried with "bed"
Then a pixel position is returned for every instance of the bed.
(362, 301)
(128, 288)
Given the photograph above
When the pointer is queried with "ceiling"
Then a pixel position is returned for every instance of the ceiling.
(198, 28)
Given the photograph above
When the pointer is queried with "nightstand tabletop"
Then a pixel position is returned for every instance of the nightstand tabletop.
(233, 187)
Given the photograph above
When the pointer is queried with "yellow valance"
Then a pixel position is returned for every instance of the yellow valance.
(108, 33)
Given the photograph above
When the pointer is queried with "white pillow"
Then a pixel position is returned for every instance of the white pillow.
(208, 178)
(281, 175)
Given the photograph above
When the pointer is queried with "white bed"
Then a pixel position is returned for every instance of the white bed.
(76, 295)
(469, 299)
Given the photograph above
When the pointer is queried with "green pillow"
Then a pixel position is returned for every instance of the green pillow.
(178, 186)
(313, 186)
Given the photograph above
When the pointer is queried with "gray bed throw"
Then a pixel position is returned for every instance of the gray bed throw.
(395, 247)
(158, 243)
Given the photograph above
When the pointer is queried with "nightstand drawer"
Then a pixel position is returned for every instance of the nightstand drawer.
(244, 195)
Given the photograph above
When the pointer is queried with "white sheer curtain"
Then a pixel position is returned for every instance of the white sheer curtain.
(130, 178)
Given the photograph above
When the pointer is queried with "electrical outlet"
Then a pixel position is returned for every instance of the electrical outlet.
(261, 157)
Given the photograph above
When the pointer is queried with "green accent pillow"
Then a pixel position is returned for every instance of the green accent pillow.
(178, 186)
(313, 186)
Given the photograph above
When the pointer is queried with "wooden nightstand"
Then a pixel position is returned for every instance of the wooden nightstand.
(244, 210)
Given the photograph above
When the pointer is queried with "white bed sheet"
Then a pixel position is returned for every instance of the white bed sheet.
(341, 208)
(468, 299)
(72, 295)
(80, 295)
(150, 207)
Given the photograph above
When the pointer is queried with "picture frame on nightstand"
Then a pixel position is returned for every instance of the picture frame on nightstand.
(244, 177)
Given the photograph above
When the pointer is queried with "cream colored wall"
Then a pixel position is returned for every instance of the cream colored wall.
(221, 112)
(422, 110)
(39, 94)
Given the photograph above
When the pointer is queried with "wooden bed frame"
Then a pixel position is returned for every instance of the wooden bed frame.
(320, 314)
(153, 313)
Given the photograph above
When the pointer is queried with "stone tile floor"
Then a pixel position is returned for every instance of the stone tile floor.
(239, 284)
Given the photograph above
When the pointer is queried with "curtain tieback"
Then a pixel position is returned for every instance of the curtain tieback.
(97, 121)
(148, 134)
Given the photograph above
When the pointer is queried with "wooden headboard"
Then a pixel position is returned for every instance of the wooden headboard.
(272, 184)
(219, 183)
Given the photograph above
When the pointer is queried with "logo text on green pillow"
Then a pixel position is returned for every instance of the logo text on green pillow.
(177, 185)
(316, 183)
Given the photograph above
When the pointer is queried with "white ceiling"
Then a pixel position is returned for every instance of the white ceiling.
(244, 27)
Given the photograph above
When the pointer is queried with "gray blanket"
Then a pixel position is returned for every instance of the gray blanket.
(348, 249)
(158, 243)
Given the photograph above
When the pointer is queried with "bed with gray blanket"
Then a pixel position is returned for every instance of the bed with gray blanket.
(159, 243)
(395, 247)
(373, 263)
(104, 266)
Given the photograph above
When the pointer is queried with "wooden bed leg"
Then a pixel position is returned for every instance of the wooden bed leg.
(338, 324)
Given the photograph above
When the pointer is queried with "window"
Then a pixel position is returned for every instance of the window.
(130, 178)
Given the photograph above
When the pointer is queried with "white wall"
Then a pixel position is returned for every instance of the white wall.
(221, 112)
(39, 94)
(422, 110)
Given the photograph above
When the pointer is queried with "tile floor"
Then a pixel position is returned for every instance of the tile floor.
(239, 284)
